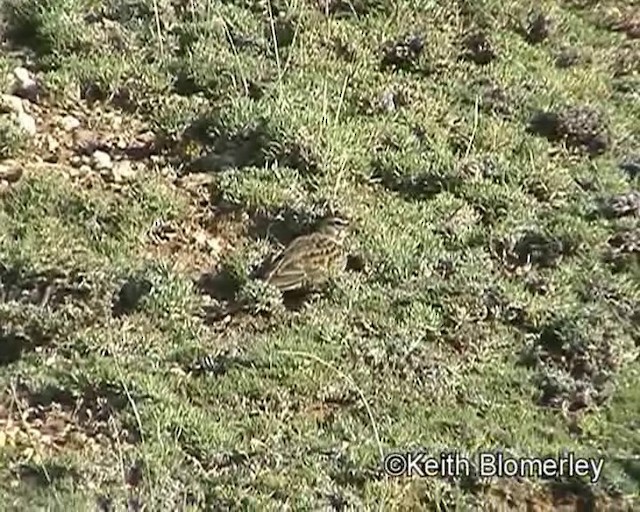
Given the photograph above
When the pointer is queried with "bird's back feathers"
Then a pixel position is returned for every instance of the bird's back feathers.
(306, 261)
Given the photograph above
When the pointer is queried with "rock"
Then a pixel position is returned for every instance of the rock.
(101, 160)
(192, 182)
(52, 144)
(123, 171)
(388, 101)
(215, 245)
(22, 74)
(69, 123)
(116, 122)
(10, 104)
(10, 171)
(142, 147)
(85, 142)
(567, 57)
(27, 123)
(200, 237)
(147, 137)
(52, 147)
(79, 172)
(75, 161)
(25, 86)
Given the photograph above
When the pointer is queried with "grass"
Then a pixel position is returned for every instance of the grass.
(494, 308)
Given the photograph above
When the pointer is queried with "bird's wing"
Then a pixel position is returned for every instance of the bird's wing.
(288, 270)
(288, 279)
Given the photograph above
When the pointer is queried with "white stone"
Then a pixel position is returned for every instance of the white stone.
(25, 86)
(388, 101)
(101, 160)
(11, 104)
(123, 171)
(52, 143)
(69, 123)
(22, 74)
(27, 123)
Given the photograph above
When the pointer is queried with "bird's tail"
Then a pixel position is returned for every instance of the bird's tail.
(286, 281)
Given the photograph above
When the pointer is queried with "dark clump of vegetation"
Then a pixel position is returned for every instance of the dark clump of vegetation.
(478, 49)
(495, 98)
(536, 247)
(576, 360)
(622, 205)
(568, 57)
(130, 295)
(537, 28)
(402, 53)
(624, 251)
(256, 144)
(631, 166)
(578, 127)
(416, 185)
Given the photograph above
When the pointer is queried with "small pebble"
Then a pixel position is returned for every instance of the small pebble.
(27, 123)
(52, 143)
(123, 171)
(80, 171)
(25, 86)
(101, 160)
(69, 123)
(143, 146)
(388, 101)
(52, 147)
(22, 75)
(10, 104)
(75, 161)
(72, 172)
(10, 171)
(192, 182)
(85, 141)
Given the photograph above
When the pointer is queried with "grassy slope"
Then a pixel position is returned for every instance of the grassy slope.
(442, 183)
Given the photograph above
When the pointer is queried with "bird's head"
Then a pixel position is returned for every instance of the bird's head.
(334, 226)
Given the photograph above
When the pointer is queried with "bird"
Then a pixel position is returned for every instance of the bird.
(304, 265)
(310, 260)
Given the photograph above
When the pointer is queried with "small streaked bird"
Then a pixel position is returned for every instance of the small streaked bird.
(309, 260)
(307, 263)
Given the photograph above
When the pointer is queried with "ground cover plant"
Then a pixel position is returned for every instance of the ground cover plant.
(154, 153)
